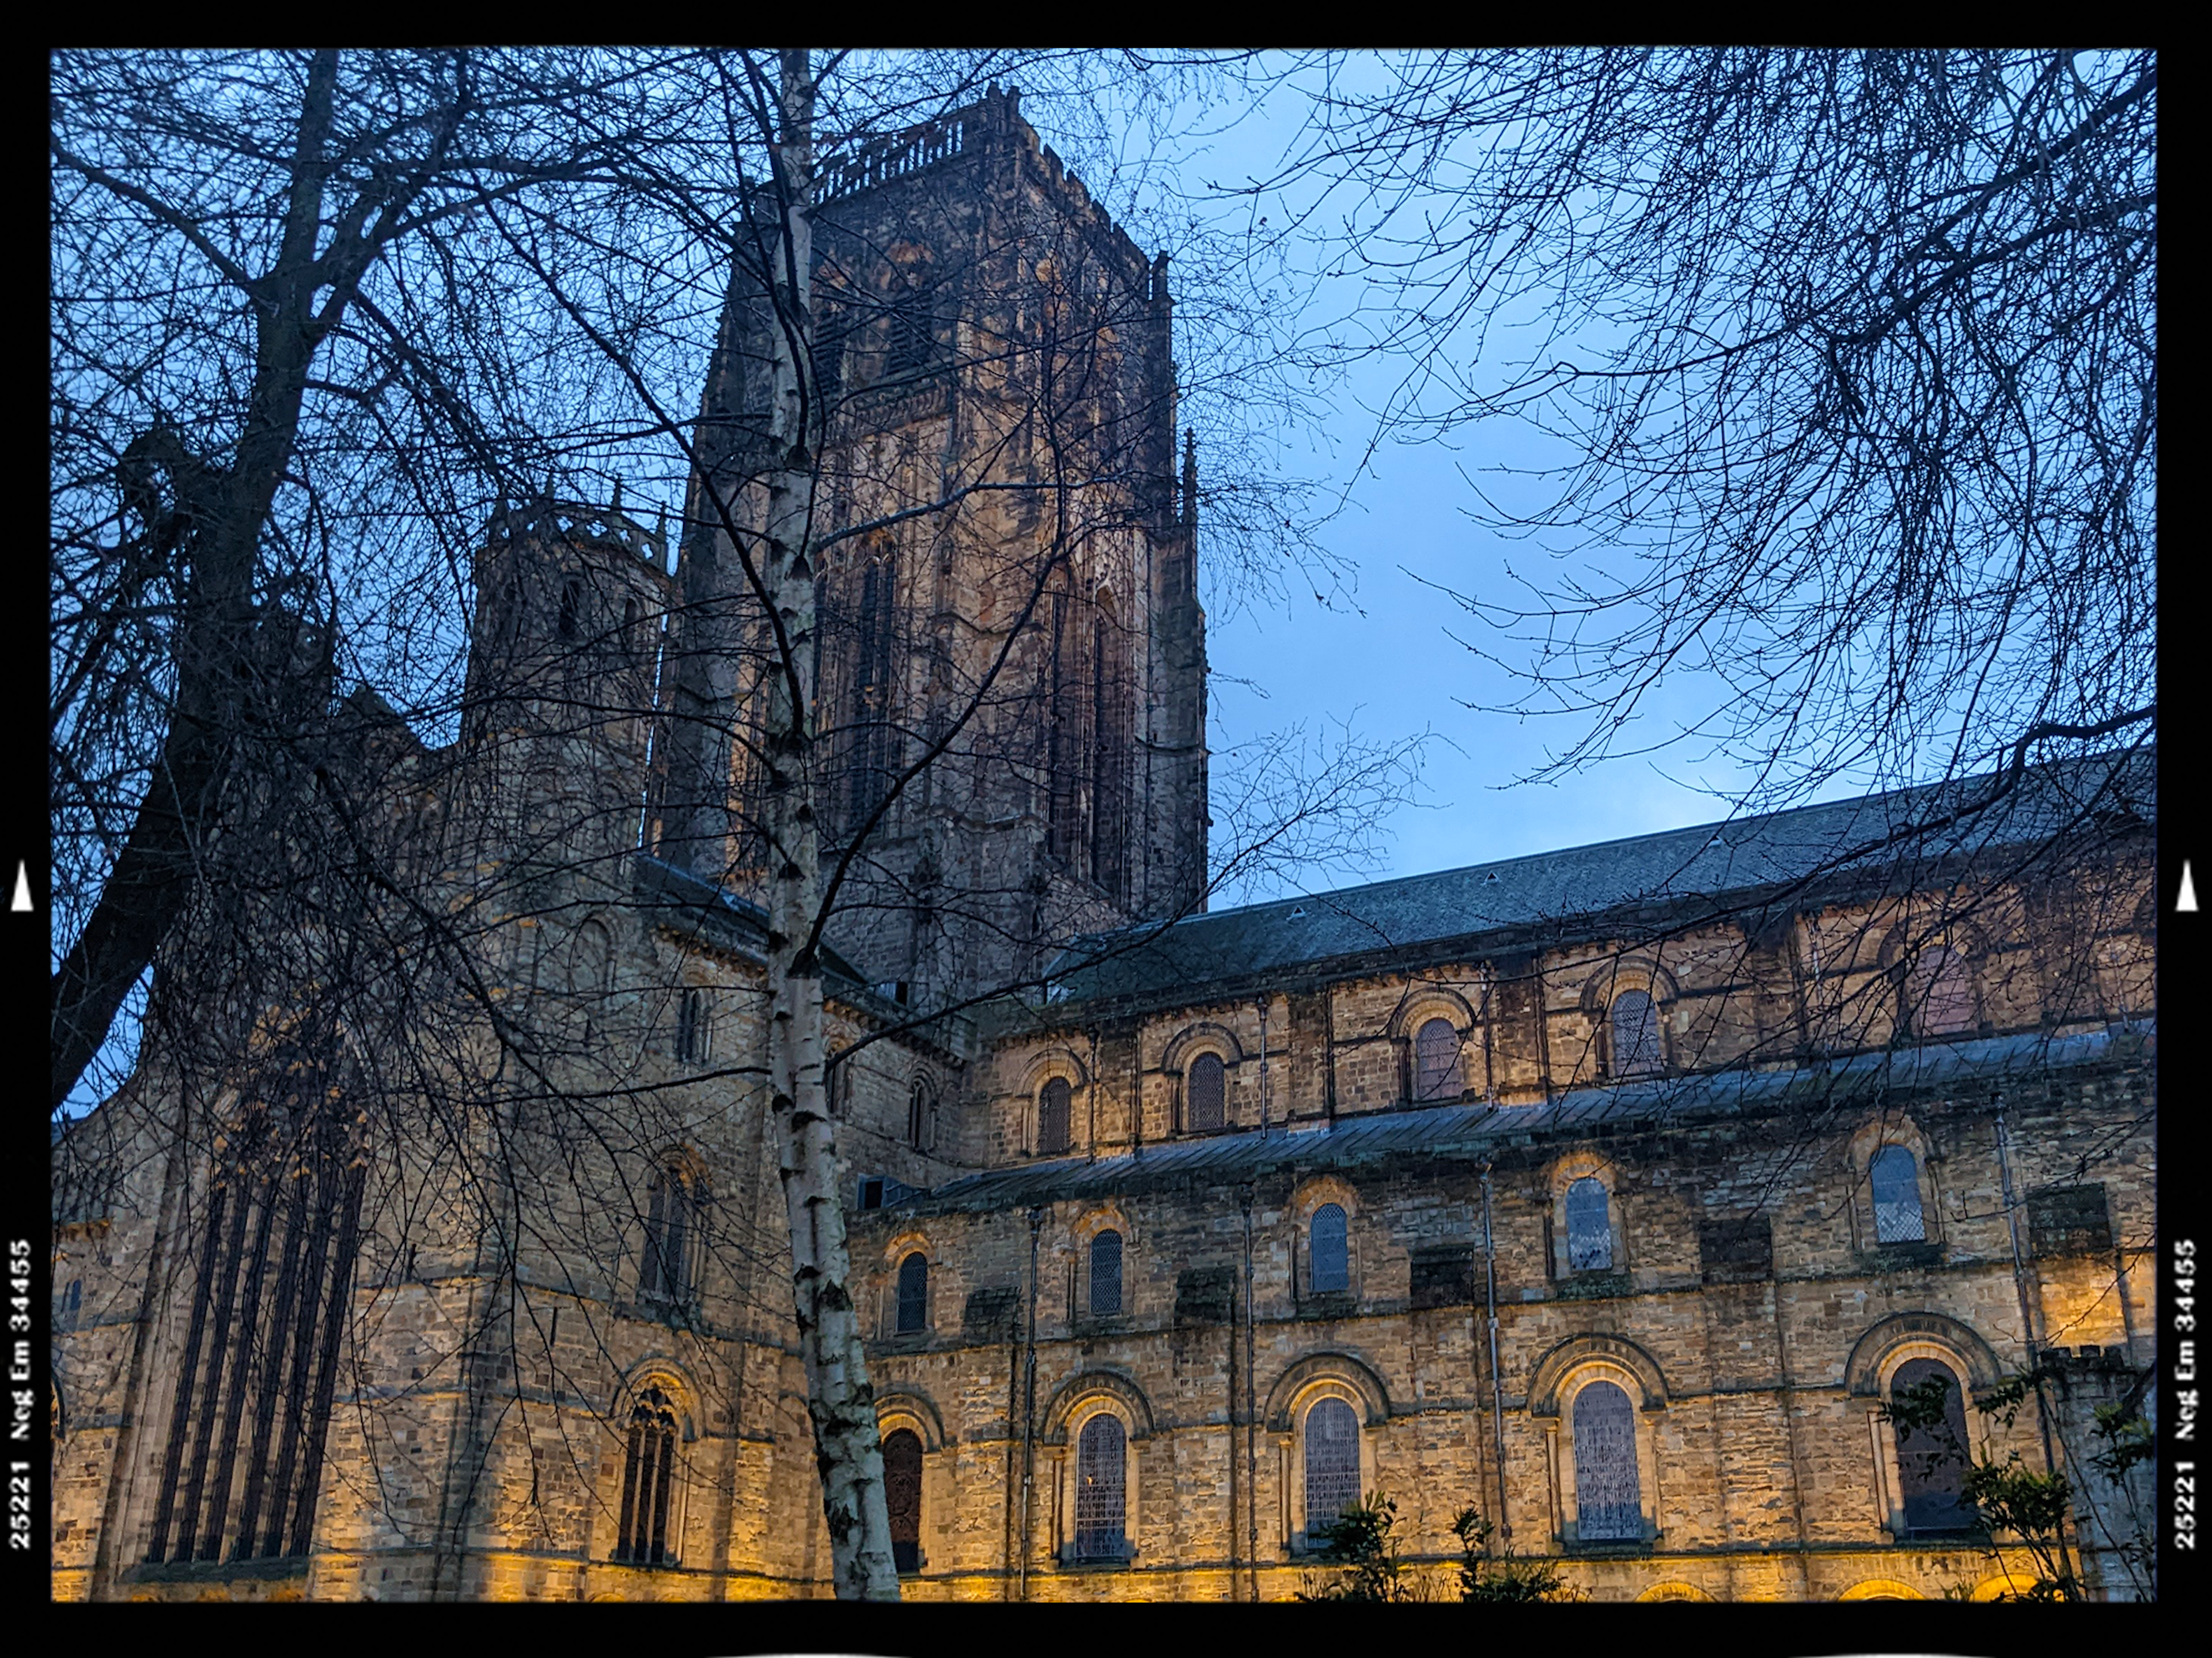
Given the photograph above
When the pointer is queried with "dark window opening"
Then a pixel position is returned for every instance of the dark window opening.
(691, 1033)
(1635, 1034)
(903, 1496)
(1101, 1501)
(1055, 1116)
(913, 1295)
(920, 1117)
(669, 1229)
(1205, 1090)
(572, 604)
(1590, 1227)
(1608, 1501)
(1436, 1060)
(1332, 1463)
(1106, 1273)
(1895, 1179)
(1931, 1459)
(648, 1482)
(911, 347)
(1328, 1251)
(241, 1473)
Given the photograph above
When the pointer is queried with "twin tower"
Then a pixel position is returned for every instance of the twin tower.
(1010, 691)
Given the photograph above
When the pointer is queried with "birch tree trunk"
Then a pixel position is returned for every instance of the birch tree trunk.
(839, 1398)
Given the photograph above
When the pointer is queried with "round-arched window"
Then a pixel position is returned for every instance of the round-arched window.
(1332, 1462)
(1205, 1093)
(1895, 1178)
(1101, 1492)
(1608, 1501)
(1054, 1117)
(1436, 1061)
(1328, 1251)
(902, 1495)
(913, 1294)
(1635, 1034)
(1106, 1273)
(1590, 1227)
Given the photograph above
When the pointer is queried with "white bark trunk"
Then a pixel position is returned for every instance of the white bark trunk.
(839, 1398)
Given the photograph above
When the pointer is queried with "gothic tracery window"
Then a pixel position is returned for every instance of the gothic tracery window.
(913, 1294)
(272, 1276)
(922, 1115)
(1590, 1227)
(1328, 1269)
(1106, 1273)
(1332, 1462)
(1635, 1034)
(1056, 1112)
(1895, 1179)
(1206, 1094)
(903, 1496)
(648, 1482)
(1436, 1060)
(1608, 1499)
(1101, 1495)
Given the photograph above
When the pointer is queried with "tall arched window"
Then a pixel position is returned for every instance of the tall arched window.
(1590, 1227)
(872, 754)
(1066, 741)
(691, 1027)
(648, 1478)
(1328, 1251)
(902, 1495)
(913, 1294)
(922, 1115)
(1635, 1034)
(1608, 1501)
(1332, 1462)
(1106, 1273)
(1436, 1061)
(1895, 1178)
(1205, 1093)
(1111, 717)
(1931, 1461)
(671, 1229)
(1940, 994)
(1101, 1500)
(569, 623)
(1054, 1117)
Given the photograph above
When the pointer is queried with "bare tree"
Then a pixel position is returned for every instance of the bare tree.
(341, 900)
(1849, 358)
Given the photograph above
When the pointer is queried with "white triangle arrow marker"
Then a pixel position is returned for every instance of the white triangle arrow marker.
(22, 898)
(2184, 900)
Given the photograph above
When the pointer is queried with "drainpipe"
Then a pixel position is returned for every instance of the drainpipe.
(2026, 1311)
(1263, 1065)
(1496, 1384)
(1251, 1455)
(1029, 1414)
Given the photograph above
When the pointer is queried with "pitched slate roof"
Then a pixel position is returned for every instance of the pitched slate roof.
(1474, 1133)
(1554, 897)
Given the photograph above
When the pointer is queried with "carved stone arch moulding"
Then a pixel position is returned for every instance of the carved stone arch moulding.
(909, 1241)
(1557, 1365)
(1284, 1398)
(1863, 1371)
(1092, 1384)
(906, 1407)
(1205, 1037)
(1054, 1062)
(1637, 970)
(1423, 1002)
(1101, 1217)
(658, 1370)
(1316, 1190)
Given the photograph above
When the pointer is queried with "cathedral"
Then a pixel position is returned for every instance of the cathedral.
(1611, 1195)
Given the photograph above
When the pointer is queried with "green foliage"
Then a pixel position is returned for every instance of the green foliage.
(2007, 1497)
(1496, 1581)
(1359, 1540)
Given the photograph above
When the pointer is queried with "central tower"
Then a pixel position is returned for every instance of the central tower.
(1011, 685)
